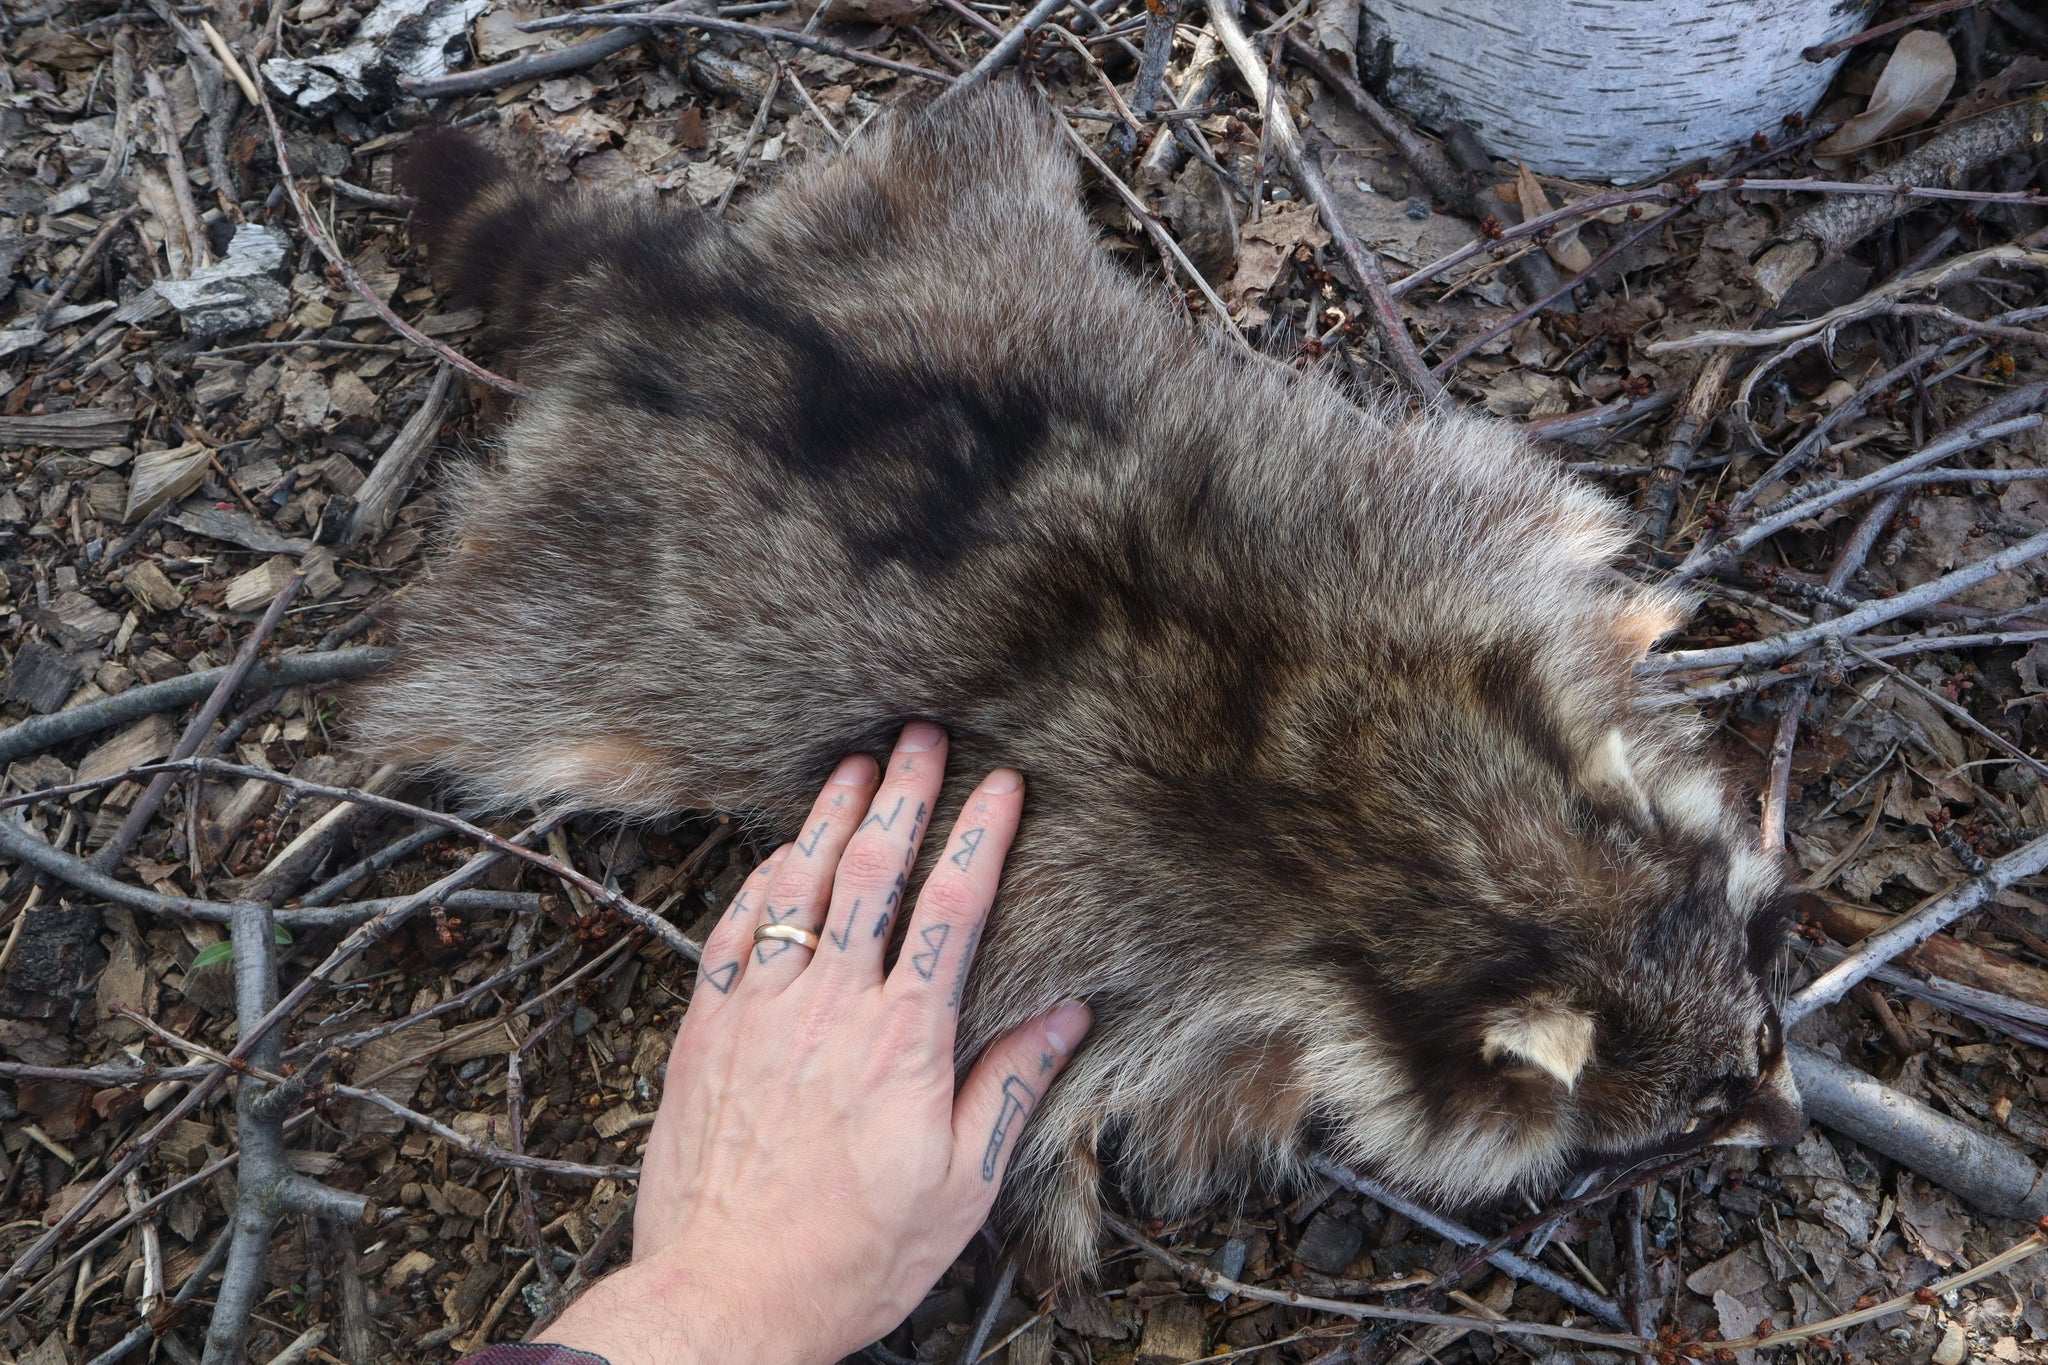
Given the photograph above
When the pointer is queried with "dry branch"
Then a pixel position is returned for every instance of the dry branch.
(199, 729)
(309, 223)
(1916, 927)
(1518, 1266)
(38, 733)
(664, 18)
(1772, 648)
(1211, 1280)
(18, 844)
(1402, 356)
(1993, 1175)
(1824, 232)
(266, 1186)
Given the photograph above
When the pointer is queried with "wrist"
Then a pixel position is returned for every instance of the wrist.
(657, 1312)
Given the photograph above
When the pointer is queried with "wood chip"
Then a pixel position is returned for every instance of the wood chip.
(161, 475)
(146, 741)
(79, 429)
(252, 591)
(236, 527)
(147, 584)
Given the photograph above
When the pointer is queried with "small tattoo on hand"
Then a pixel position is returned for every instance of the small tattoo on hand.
(966, 961)
(720, 978)
(845, 934)
(927, 962)
(812, 847)
(876, 819)
(1017, 1101)
(970, 840)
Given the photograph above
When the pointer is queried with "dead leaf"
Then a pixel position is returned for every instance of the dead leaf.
(1565, 248)
(1933, 1222)
(1916, 80)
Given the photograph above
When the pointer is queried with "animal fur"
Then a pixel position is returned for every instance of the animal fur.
(1346, 814)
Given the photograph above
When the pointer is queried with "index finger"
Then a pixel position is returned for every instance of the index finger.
(946, 926)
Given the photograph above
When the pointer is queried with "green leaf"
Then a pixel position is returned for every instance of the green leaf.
(281, 934)
(212, 953)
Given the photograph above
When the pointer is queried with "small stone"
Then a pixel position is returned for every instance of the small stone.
(1329, 1245)
(1954, 1347)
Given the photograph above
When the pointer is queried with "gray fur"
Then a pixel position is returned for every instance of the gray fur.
(1344, 812)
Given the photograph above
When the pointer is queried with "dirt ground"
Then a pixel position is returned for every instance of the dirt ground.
(198, 404)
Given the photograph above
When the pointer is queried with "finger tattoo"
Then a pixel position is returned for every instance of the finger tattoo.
(966, 960)
(927, 962)
(1017, 1101)
(720, 978)
(970, 840)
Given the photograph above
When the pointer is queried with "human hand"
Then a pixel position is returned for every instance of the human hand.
(811, 1172)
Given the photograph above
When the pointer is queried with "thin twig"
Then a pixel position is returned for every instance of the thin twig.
(1160, 236)
(483, 1151)
(1518, 1266)
(309, 223)
(1212, 1280)
(712, 24)
(1402, 356)
(1772, 648)
(1820, 52)
(1002, 54)
(200, 726)
(1915, 927)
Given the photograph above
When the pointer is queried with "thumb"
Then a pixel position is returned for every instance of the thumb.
(1003, 1091)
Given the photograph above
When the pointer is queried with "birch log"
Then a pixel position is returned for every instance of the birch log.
(1607, 89)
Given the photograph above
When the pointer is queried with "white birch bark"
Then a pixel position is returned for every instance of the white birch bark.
(1617, 90)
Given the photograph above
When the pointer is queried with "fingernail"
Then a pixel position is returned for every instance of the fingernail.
(851, 772)
(1066, 1026)
(918, 736)
(1002, 781)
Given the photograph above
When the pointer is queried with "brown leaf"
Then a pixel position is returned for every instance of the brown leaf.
(1915, 82)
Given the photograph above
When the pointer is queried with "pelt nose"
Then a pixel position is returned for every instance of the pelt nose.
(1771, 1117)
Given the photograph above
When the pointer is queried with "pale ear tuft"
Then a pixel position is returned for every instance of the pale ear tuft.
(1544, 1033)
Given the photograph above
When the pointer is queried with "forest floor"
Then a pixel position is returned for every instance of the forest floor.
(215, 444)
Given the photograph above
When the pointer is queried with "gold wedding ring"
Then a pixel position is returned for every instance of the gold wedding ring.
(788, 933)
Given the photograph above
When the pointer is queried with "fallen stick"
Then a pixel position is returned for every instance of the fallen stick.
(1457, 1233)
(19, 845)
(1973, 433)
(1949, 272)
(1944, 956)
(266, 1186)
(1775, 647)
(309, 223)
(1826, 231)
(665, 18)
(1916, 927)
(1990, 1174)
(1402, 356)
(38, 733)
(198, 728)
(1213, 1280)
(1005, 50)
(1572, 426)
(1160, 236)
(391, 478)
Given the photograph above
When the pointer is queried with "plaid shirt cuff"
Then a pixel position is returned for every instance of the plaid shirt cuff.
(539, 1353)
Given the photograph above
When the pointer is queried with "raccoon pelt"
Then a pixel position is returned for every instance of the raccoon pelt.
(1347, 815)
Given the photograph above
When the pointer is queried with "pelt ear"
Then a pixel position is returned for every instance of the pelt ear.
(1545, 1033)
